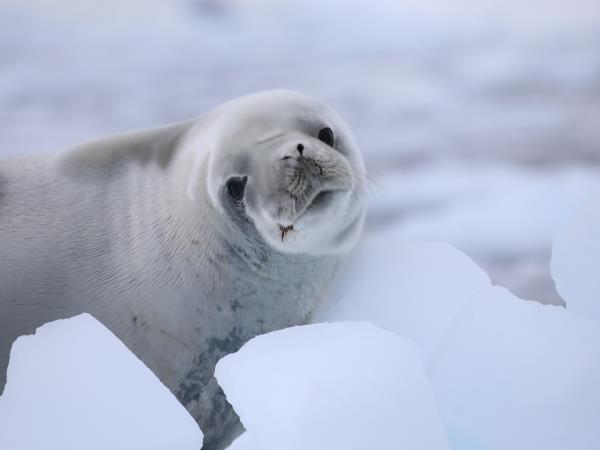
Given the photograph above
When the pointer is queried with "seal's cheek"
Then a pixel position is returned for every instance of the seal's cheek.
(261, 195)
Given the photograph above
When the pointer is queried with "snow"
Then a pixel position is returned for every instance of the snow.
(503, 217)
(413, 289)
(339, 385)
(244, 442)
(518, 375)
(507, 373)
(576, 261)
(500, 211)
(73, 385)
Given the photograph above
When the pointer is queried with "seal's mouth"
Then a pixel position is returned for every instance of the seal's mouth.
(320, 201)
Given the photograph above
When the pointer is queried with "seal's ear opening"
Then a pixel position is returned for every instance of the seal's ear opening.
(236, 187)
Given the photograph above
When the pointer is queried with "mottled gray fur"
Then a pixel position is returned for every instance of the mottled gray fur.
(119, 228)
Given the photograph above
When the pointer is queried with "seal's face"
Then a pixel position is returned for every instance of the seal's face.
(289, 166)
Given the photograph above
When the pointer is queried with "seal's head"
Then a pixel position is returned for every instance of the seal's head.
(288, 167)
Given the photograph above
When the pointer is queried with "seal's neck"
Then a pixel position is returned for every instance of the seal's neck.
(221, 248)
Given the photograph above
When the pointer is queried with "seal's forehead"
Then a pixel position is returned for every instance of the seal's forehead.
(272, 110)
(278, 100)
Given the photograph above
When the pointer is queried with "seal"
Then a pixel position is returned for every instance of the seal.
(187, 240)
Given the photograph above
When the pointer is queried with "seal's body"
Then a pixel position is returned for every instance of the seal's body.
(185, 241)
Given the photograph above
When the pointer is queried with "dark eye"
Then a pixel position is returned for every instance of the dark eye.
(326, 135)
(236, 187)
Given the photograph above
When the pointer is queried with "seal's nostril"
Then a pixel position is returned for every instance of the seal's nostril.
(300, 148)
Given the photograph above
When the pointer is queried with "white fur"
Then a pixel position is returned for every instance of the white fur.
(138, 230)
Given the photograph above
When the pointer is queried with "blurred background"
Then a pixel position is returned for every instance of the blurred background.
(479, 120)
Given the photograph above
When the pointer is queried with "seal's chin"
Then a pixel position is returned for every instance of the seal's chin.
(312, 217)
(320, 202)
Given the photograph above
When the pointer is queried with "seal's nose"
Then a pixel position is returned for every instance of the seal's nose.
(299, 148)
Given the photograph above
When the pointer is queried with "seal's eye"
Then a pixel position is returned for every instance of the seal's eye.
(236, 187)
(326, 135)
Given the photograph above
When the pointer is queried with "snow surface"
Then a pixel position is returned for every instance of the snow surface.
(244, 442)
(518, 375)
(329, 386)
(413, 289)
(74, 386)
(492, 214)
(499, 211)
(576, 261)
